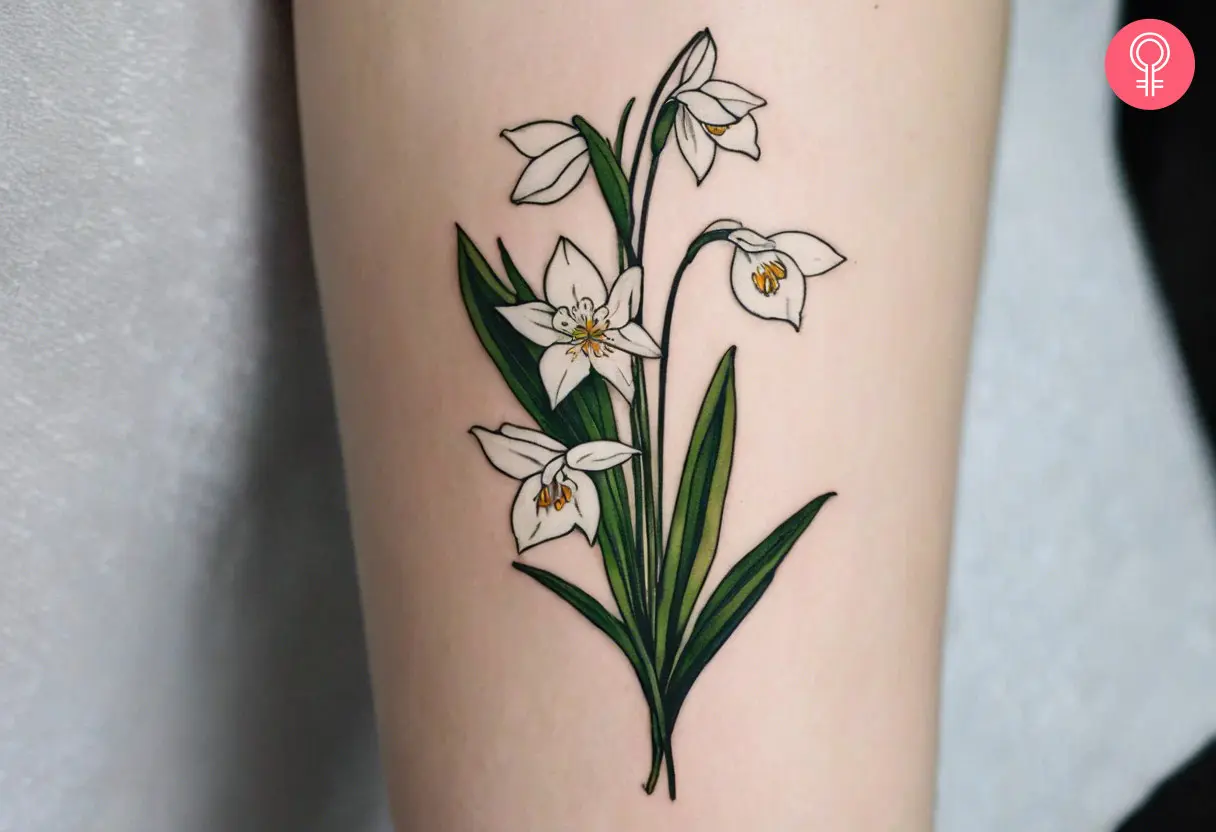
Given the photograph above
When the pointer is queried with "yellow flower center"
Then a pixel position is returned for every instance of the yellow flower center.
(554, 496)
(589, 337)
(716, 129)
(766, 276)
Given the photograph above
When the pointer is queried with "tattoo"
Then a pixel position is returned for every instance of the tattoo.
(566, 354)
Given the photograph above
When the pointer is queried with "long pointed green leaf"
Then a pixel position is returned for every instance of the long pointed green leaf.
(618, 147)
(483, 292)
(697, 519)
(584, 415)
(616, 630)
(611, 179)
(734, 598)
(523, 292)
(588, 607)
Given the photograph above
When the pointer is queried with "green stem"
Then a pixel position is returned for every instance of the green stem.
(639, 510)
(618, 148)
(652, 454)
(641, 504)
(654, 168)
(669, 755)
(660, 739)
(656, 755)
(654, 106)
(644, 478)
(665, 349)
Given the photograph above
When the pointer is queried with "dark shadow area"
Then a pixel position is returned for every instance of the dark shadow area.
(291, 744)
(1183, 802)
(1169, 158)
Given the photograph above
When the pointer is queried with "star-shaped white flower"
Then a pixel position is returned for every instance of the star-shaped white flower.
(712, 113)
(583, 325)
(768, 274)
(555, 495)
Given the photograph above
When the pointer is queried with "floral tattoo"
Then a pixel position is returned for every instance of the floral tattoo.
(565, 354)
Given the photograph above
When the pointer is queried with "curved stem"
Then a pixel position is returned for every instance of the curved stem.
(654, 168)
(654, 105)
(660, 737)
(644, 469)
(665, 349)
(656, 755)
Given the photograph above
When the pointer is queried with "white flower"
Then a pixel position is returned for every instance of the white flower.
(712, 113)
(583, 325)
(558, 154)
(555, 495)
(768, 274)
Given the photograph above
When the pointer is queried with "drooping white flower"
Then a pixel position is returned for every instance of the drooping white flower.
(558, 154)
(768, 274)
(712, 113)
(583, 325)
(555, 495)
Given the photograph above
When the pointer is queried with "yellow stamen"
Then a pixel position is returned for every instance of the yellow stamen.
(554, 496)
(766, 278)
(716, 129)
(589, 337)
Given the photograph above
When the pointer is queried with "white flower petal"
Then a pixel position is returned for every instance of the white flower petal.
(515, 457)
(616, 366)
(740, 137)
(599, 455)
(533, 436)
(750, 241)
(533, 524)
(738, 101)
(696, 148)
(561, 370)
(536, 137)
(783, 305)
(705, 108)
(623, 299)
(571, 277)
(586, 504)
(813, 255)
(632, 338)
(554, 174)
(722, 225)
(534, 321)
(699, 65)
(552, 469)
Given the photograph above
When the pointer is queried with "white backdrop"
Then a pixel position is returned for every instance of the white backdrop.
(179, 631)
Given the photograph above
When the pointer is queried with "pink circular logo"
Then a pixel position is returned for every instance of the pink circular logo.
(1150, 64)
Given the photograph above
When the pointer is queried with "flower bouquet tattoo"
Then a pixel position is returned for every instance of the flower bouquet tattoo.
(567, 354)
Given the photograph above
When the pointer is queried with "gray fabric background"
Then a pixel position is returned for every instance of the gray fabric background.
(179, 629)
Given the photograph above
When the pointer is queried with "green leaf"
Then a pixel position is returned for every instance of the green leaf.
(523, 292)
(483, 292)
(697, 519)
(615, 629)
(612, 181)
(588, 607)
(584, 415)
(733, 599)
(619, 146)
(662, 127)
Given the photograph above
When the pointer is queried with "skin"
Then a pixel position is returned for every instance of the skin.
(499, 709)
